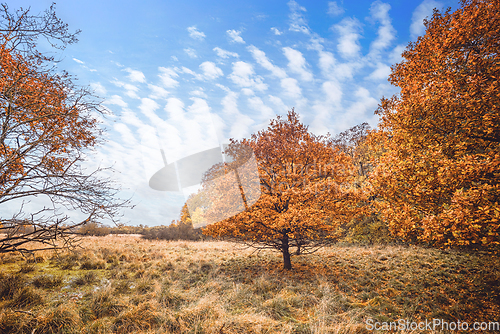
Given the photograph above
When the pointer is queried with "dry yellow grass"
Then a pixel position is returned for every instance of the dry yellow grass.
(124, 284)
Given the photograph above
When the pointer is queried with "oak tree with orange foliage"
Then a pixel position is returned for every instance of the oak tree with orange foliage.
(305, 186)
(438, 179)
(47, 125)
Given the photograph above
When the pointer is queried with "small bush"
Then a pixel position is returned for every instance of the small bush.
(174, 231)
(94, 229)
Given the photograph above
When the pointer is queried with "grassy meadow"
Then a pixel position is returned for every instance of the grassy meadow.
(124, 284)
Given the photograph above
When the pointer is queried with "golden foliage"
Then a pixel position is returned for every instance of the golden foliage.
(439, 175)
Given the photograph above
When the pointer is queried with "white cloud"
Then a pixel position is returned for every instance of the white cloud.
(423, 10)
(280, 107)
(266, 113)
(188, 71)
(148, 107)
(167, 76)
(381, 72)
(297, 63)
(195, 33)
(386, 33)
(243, 75)
(326, 63)
(234, 36)
(291, 88)
(333, 92)
(78, 61)
(260, 57)
(116, 100)
(297, 21)
(191, 52)
(247, 92)
(276, 31)
(365, 104)
(334, 9)
(224, 53)
(198, 92)
(98, 88)
(240, 124)
(174, 108)
(130, 90)
(135, 76)
(131, 118)
(174, 58)
(210, 70)
(349, 34)
(395, 55)
(157, 92)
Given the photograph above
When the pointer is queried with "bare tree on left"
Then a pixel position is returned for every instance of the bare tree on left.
(48, 125)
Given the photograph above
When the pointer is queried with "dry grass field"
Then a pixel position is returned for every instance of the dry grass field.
(129, 285)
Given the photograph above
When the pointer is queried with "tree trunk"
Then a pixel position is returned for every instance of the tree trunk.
(287, 264)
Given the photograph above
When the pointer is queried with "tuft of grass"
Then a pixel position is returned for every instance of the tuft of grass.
(85, 279)
(104, 303)
(26, 297)
(60, 320)
(10, 284)
(145, 317)
(92, 264)
(27, 268)
(47, 281)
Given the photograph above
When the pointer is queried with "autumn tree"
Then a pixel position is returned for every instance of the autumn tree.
(305, 186)
(47, 126)
(438, 179)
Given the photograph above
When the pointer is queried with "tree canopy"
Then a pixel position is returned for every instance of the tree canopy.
(47, 126)
(305, 188)
(438, 178)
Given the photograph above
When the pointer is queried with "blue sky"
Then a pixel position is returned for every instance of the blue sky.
(188, 75)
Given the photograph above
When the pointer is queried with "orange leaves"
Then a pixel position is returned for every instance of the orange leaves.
(438, 177)
(306, 187)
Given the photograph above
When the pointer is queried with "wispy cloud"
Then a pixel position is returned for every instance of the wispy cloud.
(334, 9)
(243, 75)
(130, 90)
(135, 76)
(98, 88)
(423, 10)
(349, 30)
(298, 22)
(210, 70)
(297, 63)
(191, 52)
(386, 33)
(195, 33)
(234, 36)
(157, 92)
(276, 31)
(167, 76)
(116, 100)
(78, 61)
(224, 53)
(261, 59)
